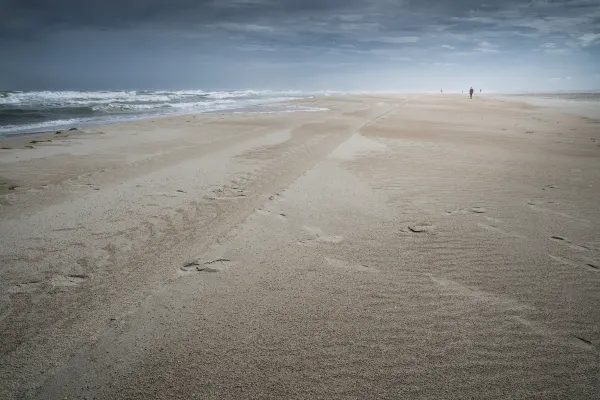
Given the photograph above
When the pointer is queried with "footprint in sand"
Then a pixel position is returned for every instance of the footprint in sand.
(591, 266)
(218, 265)
(276, 196)
(319, 236)
(478, 210)
(336, 263)
(582, 342)
(567, 242)
(419, 228)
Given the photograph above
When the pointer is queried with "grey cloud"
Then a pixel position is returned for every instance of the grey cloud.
(207, 35)
(589, 39)
(382, 18)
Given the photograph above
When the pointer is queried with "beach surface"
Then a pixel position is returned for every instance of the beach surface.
(422, 247)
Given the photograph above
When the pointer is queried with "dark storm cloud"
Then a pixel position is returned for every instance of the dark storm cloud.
(288, 18)
(113, 38)
(35, 16)
(19, 16)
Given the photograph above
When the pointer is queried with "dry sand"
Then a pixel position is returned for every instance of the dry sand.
(418, 247)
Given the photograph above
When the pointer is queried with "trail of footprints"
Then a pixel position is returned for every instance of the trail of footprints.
(594, 267)
(589, 263)
(318, 237)
(111, 254)
(568, 243)
(221, 264)
(513, 306)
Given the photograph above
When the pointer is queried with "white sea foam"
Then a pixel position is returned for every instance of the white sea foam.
(37, 127)
(86, 98)
(22, 112)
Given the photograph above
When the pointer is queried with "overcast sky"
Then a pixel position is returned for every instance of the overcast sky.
(408, 45)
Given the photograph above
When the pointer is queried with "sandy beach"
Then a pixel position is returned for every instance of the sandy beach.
(407, 246)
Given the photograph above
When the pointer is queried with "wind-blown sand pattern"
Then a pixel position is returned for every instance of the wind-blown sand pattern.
(390, 247)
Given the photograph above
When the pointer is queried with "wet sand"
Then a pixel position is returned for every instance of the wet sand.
(391, 247)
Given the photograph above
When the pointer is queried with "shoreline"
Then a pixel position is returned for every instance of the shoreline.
(19, 140)
(548, 100)
(269, 107)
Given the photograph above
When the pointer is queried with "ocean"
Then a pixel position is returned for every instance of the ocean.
(24, 112)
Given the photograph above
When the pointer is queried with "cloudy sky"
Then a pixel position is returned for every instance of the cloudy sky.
(408, 45)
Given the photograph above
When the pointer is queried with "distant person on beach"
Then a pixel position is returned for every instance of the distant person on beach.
(471, 92)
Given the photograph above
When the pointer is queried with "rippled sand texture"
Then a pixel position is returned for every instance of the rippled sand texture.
(391, 247)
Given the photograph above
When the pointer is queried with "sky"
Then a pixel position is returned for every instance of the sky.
(378, 45)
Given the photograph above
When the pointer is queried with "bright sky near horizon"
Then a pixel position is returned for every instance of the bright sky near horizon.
(404, 45)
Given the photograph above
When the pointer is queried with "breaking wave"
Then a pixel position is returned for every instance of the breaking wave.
(22, 111)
